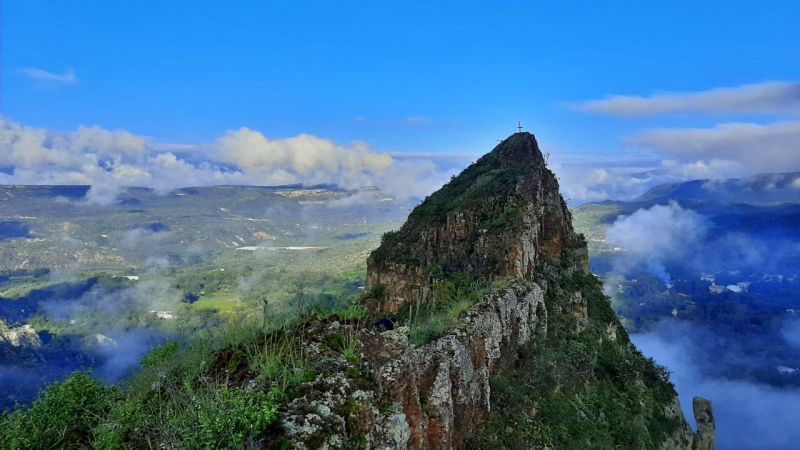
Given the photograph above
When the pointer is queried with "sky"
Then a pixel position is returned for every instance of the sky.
(621, 94)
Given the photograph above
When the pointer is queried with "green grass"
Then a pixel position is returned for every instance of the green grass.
(223, 302)
(21, 286)
(451, 298)
(62, 417)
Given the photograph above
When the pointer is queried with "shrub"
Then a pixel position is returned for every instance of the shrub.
(224, 417)
(160, 354)
(63, 416)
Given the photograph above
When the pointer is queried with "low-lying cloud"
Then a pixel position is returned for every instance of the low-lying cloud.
(749, 415)
(652, 238)
(726, 149)
(759, 98)
(111, 159)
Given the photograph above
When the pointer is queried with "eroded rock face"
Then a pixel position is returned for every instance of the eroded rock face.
(443, 386)
(434, 396)
(501, 219)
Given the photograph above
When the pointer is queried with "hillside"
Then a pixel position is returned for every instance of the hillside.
(480, 327)
(706, 277)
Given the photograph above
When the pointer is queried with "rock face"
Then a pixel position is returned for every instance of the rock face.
(443, 387)
(432, 396)
(499, 218)
(706, 429)
(502, 225)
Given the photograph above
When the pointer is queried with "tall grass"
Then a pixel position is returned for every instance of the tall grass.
(451, 298)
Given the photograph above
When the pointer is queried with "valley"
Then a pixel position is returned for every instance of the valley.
(96, 287)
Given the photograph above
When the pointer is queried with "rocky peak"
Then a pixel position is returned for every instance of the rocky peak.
(520, 149)
(568, 375)
(500, 218)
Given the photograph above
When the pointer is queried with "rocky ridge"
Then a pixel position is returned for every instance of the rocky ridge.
(543, 323)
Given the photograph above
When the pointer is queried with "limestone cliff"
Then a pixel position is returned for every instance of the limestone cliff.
(498, 336)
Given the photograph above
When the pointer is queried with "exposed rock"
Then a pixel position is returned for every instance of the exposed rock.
(499, 218)
(706, 428)
(21, 336)
(502, 219)
(443, 386)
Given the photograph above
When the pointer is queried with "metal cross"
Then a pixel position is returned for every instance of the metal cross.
(519, 126)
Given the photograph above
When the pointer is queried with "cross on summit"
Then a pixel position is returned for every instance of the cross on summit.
(519, 127)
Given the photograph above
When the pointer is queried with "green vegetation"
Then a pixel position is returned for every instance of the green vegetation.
(222, 302)
(483, 187)
(220, 392)
(580, 390)
(451, 298)
(62, 417)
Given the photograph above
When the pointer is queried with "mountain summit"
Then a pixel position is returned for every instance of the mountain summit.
(505, 339)
(501, 217)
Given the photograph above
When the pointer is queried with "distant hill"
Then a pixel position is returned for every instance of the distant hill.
(756, 190)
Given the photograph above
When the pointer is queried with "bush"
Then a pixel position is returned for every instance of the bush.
(62, 417)
(224, 418)
(160, 354)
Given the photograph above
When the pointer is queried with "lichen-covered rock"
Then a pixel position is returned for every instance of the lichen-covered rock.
(22, 336)
(443, 386)
(433, 396)
(684, 437)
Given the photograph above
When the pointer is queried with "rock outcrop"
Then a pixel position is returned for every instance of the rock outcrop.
(540, 325)
(706, 428)
(21, 336)
(499, 218)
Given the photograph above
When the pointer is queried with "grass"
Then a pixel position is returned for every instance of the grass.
(225, 302)
(451, 298)
(217, 391)
(19, 287)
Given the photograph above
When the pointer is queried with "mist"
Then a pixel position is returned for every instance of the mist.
(105, 334)
(653, 238)
(749, 414)
(723, 319)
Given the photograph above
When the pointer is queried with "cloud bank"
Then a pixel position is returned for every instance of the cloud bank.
(726, 149)
(111, 159)
(652, 238)
(760, 98)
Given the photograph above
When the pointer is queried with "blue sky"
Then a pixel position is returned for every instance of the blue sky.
(431, 77)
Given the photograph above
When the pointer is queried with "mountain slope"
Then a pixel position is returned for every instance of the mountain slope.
(497, 334)
(485, 331)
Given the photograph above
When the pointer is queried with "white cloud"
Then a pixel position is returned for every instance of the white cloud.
(304, 158)
(728, 148)
(759, 98)
(67, 77)
(713, 169)
(592, 177)
(108, 143)
(109, 160)
(650, 238)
